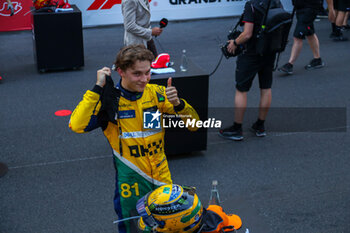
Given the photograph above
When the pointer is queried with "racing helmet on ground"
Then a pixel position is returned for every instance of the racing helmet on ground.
(170, 208)
(161, 61)
(41, 3)
(38, 4)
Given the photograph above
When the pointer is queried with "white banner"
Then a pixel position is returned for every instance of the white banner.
(106, 12)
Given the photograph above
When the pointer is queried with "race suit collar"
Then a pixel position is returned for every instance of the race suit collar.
(133, 96)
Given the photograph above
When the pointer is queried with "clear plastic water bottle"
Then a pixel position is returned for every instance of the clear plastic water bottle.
(214, 194)
(184, 62)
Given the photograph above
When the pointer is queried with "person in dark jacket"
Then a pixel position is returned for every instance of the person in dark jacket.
(306, 12)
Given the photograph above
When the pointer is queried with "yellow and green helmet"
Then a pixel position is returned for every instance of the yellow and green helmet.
(170, 208)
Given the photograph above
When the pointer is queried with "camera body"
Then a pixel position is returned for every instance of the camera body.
(231, 36)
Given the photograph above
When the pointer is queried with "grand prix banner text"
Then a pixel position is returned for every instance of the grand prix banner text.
(108, 12)
(104, 12)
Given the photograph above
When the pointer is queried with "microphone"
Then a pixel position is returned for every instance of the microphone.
(163, 23)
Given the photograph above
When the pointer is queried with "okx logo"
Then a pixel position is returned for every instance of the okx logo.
(103, 4)
(151, 120)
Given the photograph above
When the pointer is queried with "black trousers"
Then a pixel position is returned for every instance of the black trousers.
(152, 47)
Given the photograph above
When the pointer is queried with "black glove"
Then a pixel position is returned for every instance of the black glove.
(110, 100)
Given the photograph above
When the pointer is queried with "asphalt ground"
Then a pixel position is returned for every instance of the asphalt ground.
(290, 181)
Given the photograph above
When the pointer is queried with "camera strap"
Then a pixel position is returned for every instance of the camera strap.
(234, 28)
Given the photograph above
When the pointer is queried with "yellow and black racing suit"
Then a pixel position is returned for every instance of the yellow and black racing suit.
(137, 141)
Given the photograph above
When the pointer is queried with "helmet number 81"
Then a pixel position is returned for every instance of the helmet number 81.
(126, 192)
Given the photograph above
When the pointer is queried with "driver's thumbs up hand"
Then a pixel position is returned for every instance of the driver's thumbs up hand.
(171, 93)
(169, 81)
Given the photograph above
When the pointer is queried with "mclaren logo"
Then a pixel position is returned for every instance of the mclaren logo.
(103, 4)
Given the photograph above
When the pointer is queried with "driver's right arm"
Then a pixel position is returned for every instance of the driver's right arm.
(84, 117)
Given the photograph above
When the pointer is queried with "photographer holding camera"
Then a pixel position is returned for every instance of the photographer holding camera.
(250, 63)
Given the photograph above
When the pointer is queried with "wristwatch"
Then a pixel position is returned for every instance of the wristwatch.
(235, 43)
